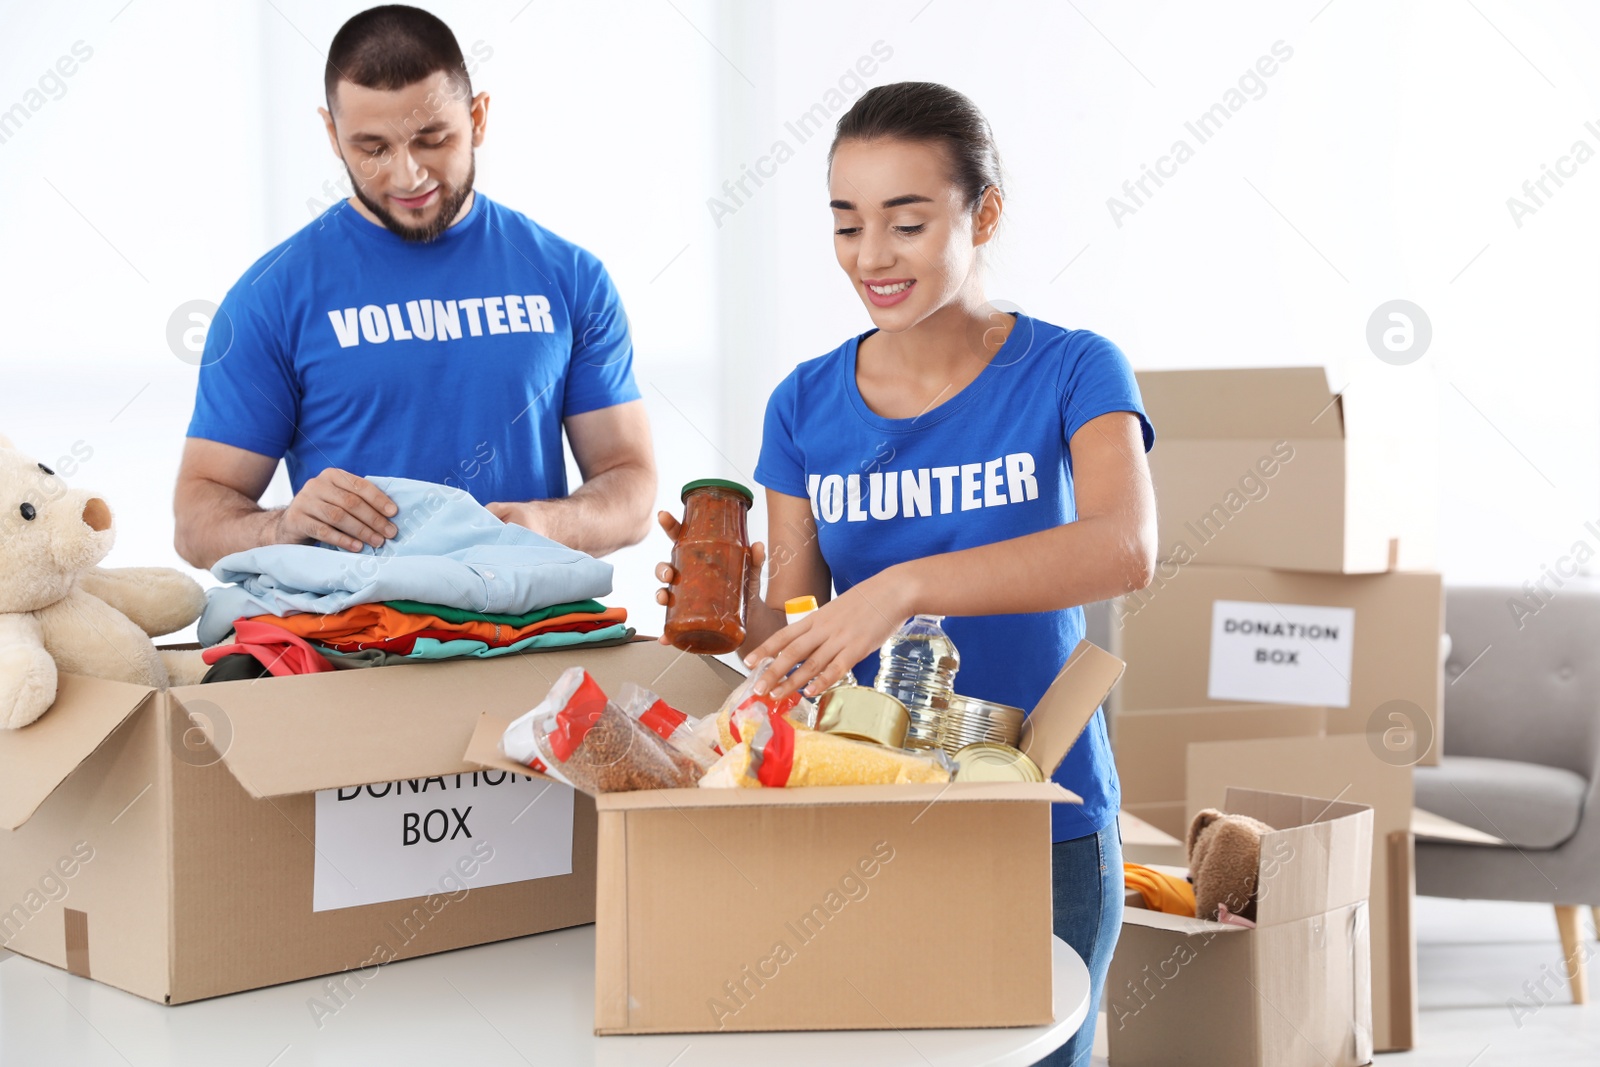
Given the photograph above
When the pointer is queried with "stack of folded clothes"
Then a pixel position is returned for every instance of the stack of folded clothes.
(454, 582)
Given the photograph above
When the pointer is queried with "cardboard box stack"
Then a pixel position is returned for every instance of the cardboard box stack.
(1287, 613)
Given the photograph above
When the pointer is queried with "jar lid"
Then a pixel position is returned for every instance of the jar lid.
(717, 483)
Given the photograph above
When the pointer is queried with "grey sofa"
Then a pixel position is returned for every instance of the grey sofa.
(1521, 756)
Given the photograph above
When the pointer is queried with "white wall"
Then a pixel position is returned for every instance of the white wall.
(1377, 165)
(190, 141)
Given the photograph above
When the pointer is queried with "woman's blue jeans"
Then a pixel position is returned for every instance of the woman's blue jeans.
(1088, 916)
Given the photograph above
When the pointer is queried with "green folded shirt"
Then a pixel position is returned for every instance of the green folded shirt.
(449, 614)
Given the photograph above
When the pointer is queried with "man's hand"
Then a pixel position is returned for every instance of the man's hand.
(523, 513)
(338, 508)
(217, 510)
(611, 509)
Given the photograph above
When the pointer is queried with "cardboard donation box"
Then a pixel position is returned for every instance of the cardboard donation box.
(851, 907)
(1293, 991)
(229, 836)
(1366, 648)
(1351, 769)
(1269, 467)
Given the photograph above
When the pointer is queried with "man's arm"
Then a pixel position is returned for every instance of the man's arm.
(217, 512)
(612, 508)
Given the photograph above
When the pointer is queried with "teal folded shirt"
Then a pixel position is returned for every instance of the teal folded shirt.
(460, 648)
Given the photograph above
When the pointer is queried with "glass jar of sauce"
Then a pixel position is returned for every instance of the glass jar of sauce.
(705, 603)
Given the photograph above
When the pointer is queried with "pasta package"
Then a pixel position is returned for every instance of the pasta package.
(667, 722)
(777, 754)
(578, 736)
(746, 708)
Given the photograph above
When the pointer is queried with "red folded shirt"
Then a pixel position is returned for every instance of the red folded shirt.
(279, 651)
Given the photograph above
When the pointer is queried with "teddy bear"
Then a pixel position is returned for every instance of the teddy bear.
(59, 611)
(1224, 861)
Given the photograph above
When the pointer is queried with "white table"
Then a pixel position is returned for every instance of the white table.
(528, 1001)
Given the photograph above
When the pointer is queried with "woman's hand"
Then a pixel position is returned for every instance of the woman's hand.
(828, 642)
(752, 573)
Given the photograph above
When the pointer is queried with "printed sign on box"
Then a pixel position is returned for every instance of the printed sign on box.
(396, 840)
(1281, 653)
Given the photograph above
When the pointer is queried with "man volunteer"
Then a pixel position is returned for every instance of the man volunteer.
(417, 330)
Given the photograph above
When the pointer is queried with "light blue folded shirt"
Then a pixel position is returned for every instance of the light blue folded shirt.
(450, 550)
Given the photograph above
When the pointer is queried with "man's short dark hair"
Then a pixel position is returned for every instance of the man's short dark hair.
(393, 46)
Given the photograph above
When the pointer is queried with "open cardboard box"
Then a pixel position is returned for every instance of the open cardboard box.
(1269, 467)
(1349, 768)
(190, 842)
(1293, 991)
(840, 908)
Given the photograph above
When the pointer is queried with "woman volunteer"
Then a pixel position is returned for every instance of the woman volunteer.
(955, 461)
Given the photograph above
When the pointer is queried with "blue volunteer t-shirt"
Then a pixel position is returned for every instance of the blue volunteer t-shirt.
(992, 463)
(452, 361)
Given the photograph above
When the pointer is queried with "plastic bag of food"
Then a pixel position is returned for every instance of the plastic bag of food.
(668, 723)
(745, 705)
(777, 754)
(578, 736)
(705, 731)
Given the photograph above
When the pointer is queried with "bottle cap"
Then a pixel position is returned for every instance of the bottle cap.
(799, 607)
(717, 483)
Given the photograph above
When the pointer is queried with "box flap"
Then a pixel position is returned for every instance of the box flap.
(1067, 706)
(40, 756)
(1135, 831)
(1427, 826)
(1292, 403)
(1182, 924)
(1317, 859)
(280, 736)
(483, 747)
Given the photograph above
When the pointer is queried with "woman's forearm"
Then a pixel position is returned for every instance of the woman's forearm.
(1078, 563)
(761, 622)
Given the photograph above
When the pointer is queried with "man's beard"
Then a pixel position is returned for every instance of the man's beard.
(450, 200)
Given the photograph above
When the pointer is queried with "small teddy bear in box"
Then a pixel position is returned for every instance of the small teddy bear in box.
(59, 611)
(1224, 862)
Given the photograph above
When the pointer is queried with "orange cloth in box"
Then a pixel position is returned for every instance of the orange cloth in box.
(365, 623)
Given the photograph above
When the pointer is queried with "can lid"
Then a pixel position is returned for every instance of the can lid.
(988, 761)
(798, 605)
(717, 483)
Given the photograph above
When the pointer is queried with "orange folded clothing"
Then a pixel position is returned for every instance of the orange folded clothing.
(1161, 892)
(368, 623)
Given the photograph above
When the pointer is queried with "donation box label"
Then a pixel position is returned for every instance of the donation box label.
(440, 835)
(1281, 653)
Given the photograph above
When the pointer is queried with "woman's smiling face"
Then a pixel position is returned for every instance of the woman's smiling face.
(903, 230)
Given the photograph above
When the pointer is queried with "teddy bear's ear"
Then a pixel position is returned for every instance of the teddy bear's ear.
(5, 442)
(1202, 819)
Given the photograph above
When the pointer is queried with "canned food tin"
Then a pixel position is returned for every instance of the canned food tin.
(968, 720)
(990, 762)
(864, 714)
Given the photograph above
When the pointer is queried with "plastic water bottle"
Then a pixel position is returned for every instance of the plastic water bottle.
(917, 666)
